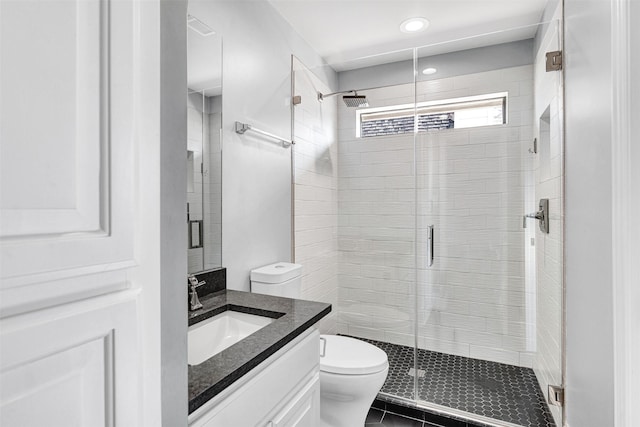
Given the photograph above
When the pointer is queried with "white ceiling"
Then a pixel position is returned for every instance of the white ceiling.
(344, 32)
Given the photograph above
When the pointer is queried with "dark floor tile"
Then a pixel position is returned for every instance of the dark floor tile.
(439, 420)
(374, 416)
(393, 420)
(379, 404)
(406, 411)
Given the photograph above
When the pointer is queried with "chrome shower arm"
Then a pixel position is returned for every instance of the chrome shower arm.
(322, 96)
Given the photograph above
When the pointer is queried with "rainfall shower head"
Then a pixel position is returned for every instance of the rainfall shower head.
(355, 100)
(352, 101)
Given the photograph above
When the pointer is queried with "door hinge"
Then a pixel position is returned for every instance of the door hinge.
(556, 395)
(554, 60)
(296, 99)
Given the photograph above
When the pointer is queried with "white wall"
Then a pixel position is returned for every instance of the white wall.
(628, 375)
(256, 177)
(172, 211)
(602, 164)
(589, 314)
(629, 372)
(316, 192)
(473, 302)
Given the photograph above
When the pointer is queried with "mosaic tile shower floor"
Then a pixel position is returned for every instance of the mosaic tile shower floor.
(495, 390)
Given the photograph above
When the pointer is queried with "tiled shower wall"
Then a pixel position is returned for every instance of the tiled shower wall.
(203, 140)
(316, 192)
(212, 188)
(474, 301)
(195, 257)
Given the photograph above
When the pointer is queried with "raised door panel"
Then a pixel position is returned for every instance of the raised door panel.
(73, 365)
(54, 124)
(67, 157)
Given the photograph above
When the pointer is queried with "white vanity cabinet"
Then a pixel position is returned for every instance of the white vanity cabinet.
(283, 391)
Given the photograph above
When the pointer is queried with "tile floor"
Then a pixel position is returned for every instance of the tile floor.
(380, 418)
(495, 390)
(388, 414)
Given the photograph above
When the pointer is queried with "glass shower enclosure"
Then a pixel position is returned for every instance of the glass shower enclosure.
(432, 218)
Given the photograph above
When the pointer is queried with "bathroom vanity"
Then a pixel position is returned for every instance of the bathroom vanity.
(268, 378)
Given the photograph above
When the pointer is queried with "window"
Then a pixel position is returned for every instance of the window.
(484, 110)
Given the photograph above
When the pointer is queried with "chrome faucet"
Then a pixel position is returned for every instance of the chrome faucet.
(193, 284)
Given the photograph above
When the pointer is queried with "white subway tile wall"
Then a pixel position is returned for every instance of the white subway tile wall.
(195, 257)
(212, 189)
(471, 186)
(316, 192)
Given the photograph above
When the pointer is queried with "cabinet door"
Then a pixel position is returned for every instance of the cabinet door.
(303, 410)
(286, 392)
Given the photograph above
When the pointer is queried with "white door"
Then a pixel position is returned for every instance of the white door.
(69, 310)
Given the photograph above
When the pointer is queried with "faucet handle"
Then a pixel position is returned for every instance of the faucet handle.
(193, 282)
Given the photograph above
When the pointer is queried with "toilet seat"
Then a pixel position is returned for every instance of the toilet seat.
(350, 356)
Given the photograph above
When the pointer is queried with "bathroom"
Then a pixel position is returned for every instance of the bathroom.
(70, 281)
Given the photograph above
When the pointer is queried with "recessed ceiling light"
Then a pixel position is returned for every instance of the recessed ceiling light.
(429, 70)
(414, 25)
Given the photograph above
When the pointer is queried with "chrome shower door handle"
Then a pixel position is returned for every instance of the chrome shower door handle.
(429, 245)
(537, 215)
(542, 215)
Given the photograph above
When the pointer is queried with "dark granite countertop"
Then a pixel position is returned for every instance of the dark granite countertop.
(292, 316)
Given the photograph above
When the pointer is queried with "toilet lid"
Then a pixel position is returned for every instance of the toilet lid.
(344, 355)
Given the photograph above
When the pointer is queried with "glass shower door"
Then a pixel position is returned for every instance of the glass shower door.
(489, 292)
(354, 181)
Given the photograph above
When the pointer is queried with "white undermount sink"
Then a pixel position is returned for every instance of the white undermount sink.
(213, 335)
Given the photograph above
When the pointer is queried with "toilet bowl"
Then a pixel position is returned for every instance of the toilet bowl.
(351, 375)
(352, 371)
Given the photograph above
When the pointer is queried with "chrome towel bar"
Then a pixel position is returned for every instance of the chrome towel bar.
(241, 128)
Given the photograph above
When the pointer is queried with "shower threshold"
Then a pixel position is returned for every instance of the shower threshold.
(474, 392)
(435, 415)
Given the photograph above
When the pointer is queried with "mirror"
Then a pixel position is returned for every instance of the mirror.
(204, 155)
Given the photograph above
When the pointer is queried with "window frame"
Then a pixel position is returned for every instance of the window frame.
(447, 106)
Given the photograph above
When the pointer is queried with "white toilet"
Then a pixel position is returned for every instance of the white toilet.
(282, 279)
(351, 375)
(351, 371)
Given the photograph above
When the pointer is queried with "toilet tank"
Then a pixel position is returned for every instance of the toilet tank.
(282, 279)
